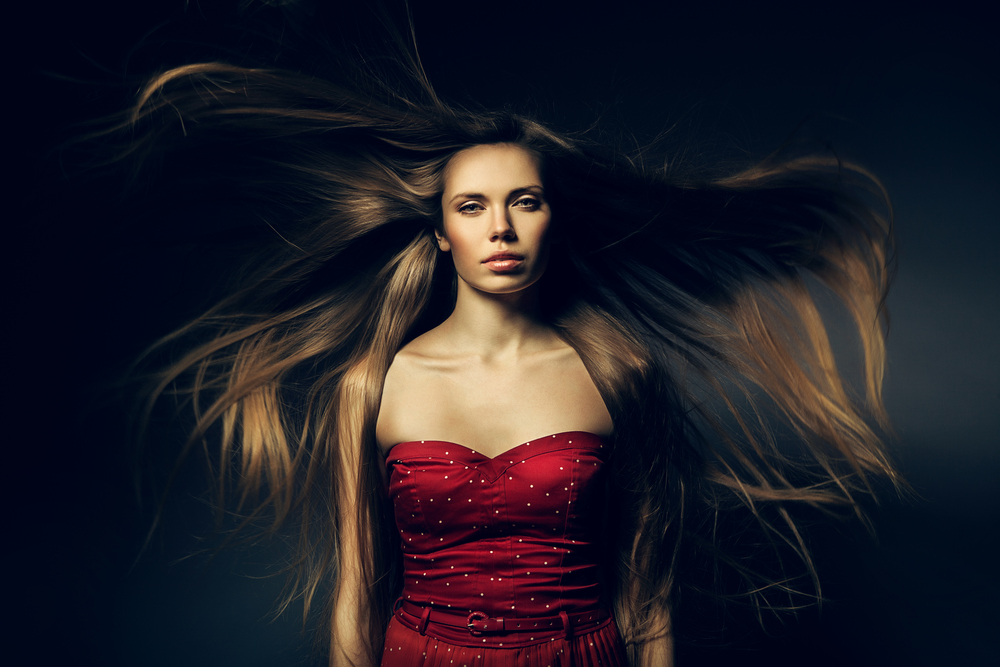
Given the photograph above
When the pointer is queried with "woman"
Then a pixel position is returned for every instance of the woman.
(448, 291)
(492, 374)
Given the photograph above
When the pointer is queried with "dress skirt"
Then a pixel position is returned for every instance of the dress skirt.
(600, 646)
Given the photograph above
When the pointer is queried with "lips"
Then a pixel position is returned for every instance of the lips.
(500, 256)
(503, 262)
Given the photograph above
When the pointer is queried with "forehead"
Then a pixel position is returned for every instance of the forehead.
(500, 167)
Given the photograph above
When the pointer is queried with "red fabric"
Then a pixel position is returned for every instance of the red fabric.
(516, 537)
(406, 648)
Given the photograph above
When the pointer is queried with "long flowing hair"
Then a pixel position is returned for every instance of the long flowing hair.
(689, 293)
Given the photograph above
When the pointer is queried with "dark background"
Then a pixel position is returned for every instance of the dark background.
(911, 94)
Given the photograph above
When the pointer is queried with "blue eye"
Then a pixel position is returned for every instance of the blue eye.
(529, 203)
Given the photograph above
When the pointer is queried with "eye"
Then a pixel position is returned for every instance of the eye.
(470, 208)
(528, 203)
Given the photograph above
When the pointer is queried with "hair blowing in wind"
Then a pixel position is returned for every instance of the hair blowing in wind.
(688, 291)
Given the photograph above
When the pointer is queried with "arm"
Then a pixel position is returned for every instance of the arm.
(347, 646)
(347, 632)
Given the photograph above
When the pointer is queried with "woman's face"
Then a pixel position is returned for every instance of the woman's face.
(496, 218)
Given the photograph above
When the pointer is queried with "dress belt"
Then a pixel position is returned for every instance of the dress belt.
(478, 622)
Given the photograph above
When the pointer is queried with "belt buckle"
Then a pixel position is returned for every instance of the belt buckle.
(479, 622)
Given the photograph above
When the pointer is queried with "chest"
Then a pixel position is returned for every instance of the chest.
(492, 411)
(446, 494)
(519, 390)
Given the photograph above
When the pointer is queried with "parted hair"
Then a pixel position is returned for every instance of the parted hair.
(690, 293)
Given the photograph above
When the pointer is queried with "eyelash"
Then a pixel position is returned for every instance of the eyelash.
(527, 203)
(471, 207)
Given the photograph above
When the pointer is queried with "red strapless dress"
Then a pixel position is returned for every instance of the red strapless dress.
(501, 556)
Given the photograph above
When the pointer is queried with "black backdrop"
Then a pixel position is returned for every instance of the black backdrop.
(912, 94)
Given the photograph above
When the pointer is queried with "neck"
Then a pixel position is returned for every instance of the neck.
(497, 325)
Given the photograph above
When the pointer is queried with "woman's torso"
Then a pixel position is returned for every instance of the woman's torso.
(517, 537)
(489, 405)
(498, 480)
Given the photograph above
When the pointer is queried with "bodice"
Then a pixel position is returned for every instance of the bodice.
(517, 535)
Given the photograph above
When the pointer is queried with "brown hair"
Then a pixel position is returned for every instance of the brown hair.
(687, 295)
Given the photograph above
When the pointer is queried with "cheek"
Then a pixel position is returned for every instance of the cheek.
(540, 235)
(463, 250)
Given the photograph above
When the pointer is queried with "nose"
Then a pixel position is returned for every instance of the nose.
(500, 227)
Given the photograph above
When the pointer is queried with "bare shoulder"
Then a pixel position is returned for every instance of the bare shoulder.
(417, 360)
(560, 357)
(414, 371)
(437, 389)
(559, 381)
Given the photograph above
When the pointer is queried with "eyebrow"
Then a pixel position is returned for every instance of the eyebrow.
(512, 193)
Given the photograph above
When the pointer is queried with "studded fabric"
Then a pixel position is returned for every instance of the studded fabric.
(517, 536)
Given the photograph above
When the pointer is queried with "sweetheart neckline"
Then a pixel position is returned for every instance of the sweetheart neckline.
(491, 458)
